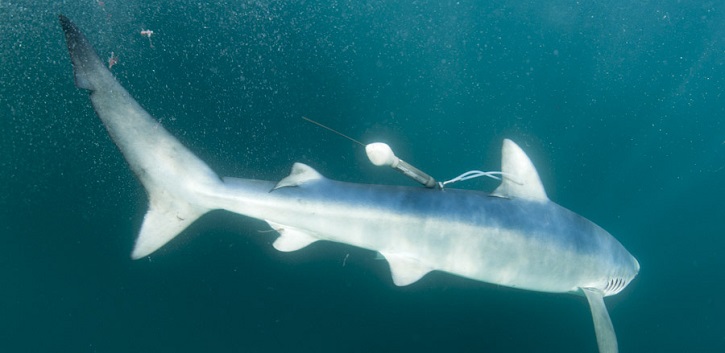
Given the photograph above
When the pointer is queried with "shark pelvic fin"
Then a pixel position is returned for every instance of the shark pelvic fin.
(405, 270)
(300, 174)
(606, 339)
(291, 239)
(519, 176)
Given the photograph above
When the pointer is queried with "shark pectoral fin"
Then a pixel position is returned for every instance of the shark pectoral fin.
(291, 239)
(606, 339)
(300, 174)
(405, 270)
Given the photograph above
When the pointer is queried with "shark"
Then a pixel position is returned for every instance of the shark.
(514, 236)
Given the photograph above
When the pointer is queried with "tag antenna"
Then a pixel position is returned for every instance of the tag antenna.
(380, 154)
(333, 130)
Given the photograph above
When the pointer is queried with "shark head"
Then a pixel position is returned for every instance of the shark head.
(626, 274)
(622, 274)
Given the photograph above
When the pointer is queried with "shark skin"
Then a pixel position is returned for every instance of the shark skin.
(513, 237)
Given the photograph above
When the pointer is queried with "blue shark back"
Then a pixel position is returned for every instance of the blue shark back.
(513, 242)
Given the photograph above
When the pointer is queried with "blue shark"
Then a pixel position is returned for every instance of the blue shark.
(515, 236)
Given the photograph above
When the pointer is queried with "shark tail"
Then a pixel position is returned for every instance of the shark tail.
(180, 186)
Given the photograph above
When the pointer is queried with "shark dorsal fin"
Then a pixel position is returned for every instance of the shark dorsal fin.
(520, 179)
(300, 174)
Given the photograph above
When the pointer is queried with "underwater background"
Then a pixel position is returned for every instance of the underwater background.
(618, 103)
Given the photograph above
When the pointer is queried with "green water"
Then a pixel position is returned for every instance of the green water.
(619, 104)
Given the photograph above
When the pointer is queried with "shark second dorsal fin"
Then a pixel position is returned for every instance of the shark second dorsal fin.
(519, 177)
(300, 174)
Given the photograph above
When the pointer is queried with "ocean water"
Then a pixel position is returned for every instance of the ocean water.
(618, 103)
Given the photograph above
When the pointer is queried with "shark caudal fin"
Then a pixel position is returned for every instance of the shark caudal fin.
(175, 180)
